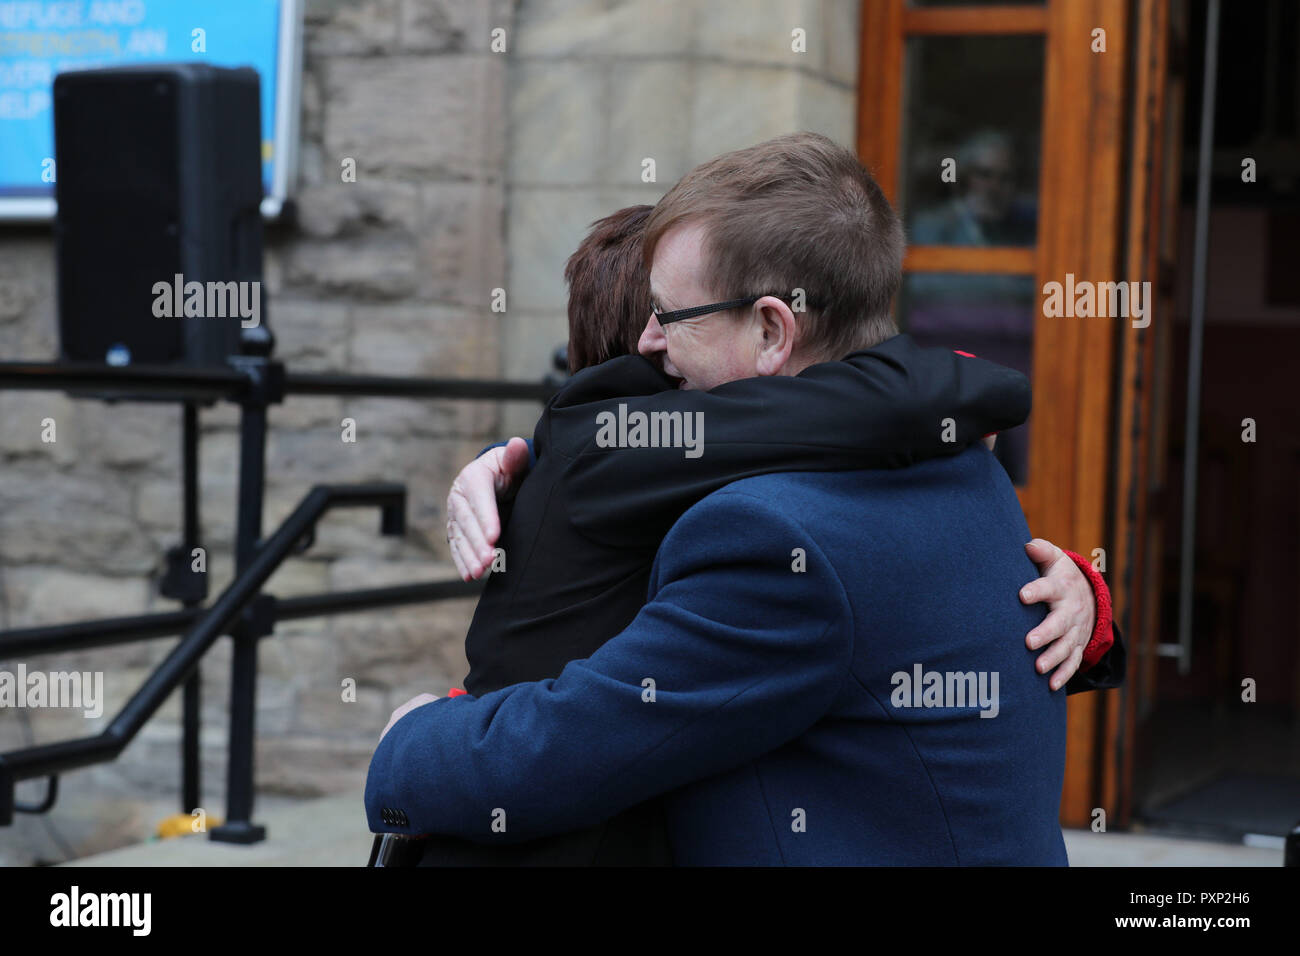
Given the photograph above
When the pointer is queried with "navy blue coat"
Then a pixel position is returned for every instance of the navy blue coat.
(761, 689)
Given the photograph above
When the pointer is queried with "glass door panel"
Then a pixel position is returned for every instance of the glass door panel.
(969, 157)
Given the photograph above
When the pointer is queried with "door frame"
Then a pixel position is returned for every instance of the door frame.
(1101, 185)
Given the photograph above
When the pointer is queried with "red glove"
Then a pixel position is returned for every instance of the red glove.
(1102, 635)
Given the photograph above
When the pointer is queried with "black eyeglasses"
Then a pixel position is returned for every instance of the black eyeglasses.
(666, 317)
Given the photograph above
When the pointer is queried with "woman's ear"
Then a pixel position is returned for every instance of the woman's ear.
(777, 331)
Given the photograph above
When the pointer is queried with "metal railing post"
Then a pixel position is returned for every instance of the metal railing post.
(238, 826)
(191, 790)
(242, 597)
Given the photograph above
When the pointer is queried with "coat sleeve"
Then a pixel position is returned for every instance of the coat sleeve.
(737, 653)
(885, 407)
(1106, 673)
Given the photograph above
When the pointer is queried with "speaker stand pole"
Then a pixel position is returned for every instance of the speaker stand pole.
(184, 582)
(191, 792)
(238, 827)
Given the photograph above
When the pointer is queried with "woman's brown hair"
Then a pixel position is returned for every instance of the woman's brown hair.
(609, 289)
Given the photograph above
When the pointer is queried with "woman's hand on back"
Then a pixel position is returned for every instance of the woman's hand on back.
(473, 518)
(1064, 633)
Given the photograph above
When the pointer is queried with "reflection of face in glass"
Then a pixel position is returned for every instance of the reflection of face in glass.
(991, 183)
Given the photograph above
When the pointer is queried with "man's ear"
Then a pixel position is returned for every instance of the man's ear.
(776, 324)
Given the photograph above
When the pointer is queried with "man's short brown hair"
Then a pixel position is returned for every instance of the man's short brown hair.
(795, 212)
(609, 289)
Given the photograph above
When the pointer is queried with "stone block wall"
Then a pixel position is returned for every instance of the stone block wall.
(596, 87)
(389, 274)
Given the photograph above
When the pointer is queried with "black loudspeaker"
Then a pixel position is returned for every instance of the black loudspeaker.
(158, 176)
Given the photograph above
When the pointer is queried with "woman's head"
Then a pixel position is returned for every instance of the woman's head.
(609, 289)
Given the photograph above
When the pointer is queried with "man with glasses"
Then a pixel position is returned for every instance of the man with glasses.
(756, 685)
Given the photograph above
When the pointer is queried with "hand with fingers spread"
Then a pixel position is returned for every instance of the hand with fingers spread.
(1072, 611)
(473, 519)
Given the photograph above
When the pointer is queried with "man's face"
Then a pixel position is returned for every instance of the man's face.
(705, 351)
(992, 184)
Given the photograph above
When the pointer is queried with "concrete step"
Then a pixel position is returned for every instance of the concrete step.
(1128, 848)
(331, 831)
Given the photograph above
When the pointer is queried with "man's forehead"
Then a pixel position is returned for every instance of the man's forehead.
(677, 259)
(686, 239)
(659, 277)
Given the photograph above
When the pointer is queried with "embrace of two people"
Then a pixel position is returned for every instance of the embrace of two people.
(824, 637)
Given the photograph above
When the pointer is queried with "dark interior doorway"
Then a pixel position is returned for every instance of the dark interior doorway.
(1210, 763)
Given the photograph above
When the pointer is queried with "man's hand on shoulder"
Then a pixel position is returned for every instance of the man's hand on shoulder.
(473, 518)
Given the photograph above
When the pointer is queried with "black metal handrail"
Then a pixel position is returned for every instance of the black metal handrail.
(51, 759)
(254, 381)
(179, 382)
(387, 386)
(101, 632)
(112, 631)
(165, 381)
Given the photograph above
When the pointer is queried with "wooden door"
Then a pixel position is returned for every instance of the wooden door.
(1143, 425)
(1004, 134)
